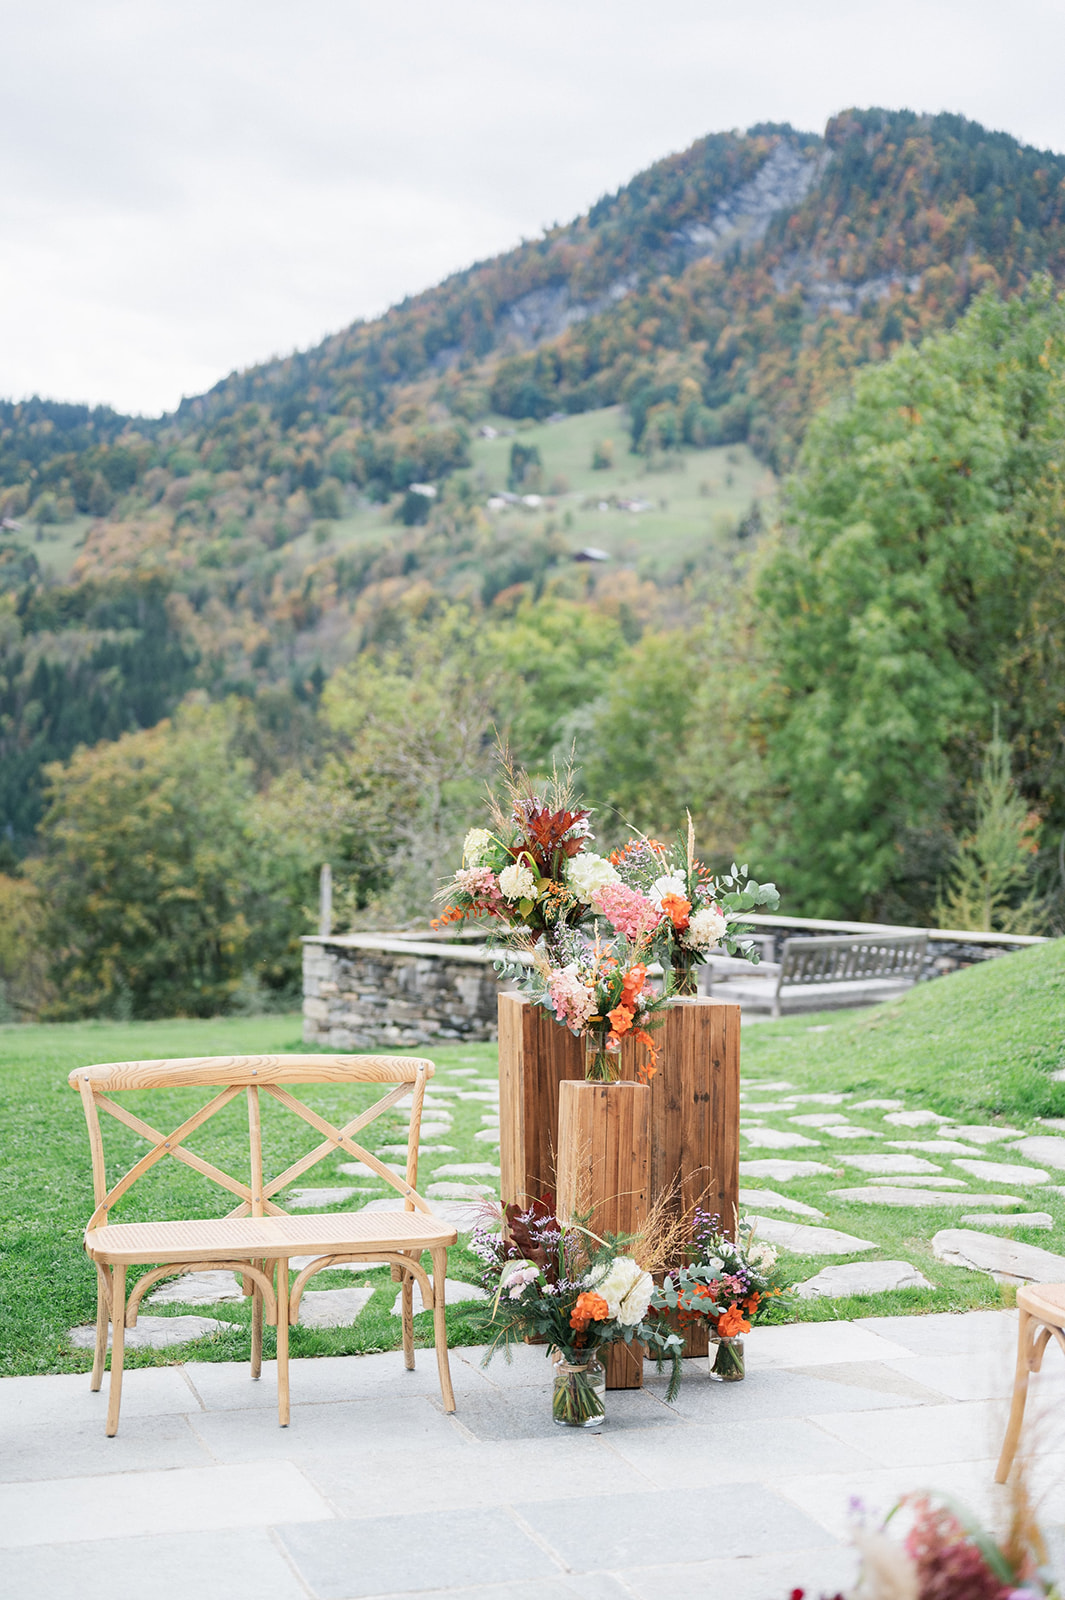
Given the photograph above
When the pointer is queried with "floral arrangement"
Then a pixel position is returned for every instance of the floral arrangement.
(731, 1283)
(531, 870)
(557, 1281)
(599, 992)
(947, 1555)
(685, 909)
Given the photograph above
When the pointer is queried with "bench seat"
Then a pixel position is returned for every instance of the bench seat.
(266, 1238)
(762, 994)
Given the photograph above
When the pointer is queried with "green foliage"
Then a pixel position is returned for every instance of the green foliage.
(526, 468)
(995, 863)
(892, 612)
(152, 864)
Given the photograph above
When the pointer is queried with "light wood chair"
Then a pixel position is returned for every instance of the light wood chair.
(1041, 1308)
(257, 1238)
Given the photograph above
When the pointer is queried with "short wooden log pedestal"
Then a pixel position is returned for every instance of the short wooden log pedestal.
(695, 1104)
(604, 1167)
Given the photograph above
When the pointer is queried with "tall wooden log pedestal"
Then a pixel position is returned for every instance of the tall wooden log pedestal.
(604, 1167)
(695, 1105)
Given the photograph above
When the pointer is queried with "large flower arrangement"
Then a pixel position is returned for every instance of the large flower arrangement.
(730, 1282)
(531, 870)
(557, 1281)
(599, 992)
(681, 904)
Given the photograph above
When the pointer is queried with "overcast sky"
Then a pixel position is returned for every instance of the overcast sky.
(190, 186)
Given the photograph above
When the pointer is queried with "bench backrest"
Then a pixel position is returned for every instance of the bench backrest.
(250, 1077)
(838, 959)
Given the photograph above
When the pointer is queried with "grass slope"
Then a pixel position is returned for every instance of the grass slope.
(978, 1044)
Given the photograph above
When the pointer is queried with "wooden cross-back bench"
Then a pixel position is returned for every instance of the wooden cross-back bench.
(258, 1237)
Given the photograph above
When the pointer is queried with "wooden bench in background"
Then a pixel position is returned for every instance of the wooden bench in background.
(821, 973)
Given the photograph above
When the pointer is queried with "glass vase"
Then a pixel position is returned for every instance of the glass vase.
(726, 1359)
(578, 1391)
(602, 1059)
(685, 964)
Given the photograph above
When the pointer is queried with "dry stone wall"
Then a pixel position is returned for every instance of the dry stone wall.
(364, 992)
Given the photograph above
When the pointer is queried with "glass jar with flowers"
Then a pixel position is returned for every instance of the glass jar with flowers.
(732, 1283)
(558, 1282)
(600, 991)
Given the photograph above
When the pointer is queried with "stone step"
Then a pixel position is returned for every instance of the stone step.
(861, 1277)
(156, 1333)
(802, 1240)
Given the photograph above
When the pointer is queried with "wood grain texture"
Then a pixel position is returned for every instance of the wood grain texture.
(604, 1165)
(193, 1071)
(536, 1054)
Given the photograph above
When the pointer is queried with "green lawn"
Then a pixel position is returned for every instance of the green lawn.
(977, 1047)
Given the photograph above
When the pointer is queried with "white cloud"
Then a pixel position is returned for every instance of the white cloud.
(191, 187)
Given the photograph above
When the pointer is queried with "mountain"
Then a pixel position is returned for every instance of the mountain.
(267, 529)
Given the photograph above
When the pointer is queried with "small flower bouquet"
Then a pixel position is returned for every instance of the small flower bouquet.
(730, 1282)
(685, 909)
(531, 870)
(599, 992)
(946, 1554)
(557, 1281)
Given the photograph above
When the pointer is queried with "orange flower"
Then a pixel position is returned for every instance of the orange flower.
(647, 1069)
(732, 1322)
(589, 1308)
(677, 909)
(751, 1305)
(632, 984)
(620, 1019)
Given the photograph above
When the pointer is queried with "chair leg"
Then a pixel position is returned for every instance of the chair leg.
(407, 1292)
(1025, 1342)
(440, 1327)
(118, 1347)
(103, 1319)
(282, 1344)
(257, 1327)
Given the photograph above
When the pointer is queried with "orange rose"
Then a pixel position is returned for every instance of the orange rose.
(677, 909)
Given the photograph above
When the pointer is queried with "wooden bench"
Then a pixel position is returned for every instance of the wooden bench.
(822, 973)
(258, 1238)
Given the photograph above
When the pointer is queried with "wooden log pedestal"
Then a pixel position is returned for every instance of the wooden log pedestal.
(604, 1167)
(695, 1105)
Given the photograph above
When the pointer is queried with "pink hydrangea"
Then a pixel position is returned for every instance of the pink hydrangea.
(627, 910)
(573, 1001)
(479, 883)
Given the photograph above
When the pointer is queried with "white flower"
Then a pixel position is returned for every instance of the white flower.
(474, 846)
(586, 872)
(516, 1279)
(626, 1288)
(673, 883)
(516, 882)
(762, 1256)
(704, 928)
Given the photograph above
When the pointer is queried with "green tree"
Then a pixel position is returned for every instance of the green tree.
(990, 885)
(147, 856)
(893, 605)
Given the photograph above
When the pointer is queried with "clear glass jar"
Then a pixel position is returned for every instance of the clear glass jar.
(726, 1358)
(577, 1399)
(602, 1058)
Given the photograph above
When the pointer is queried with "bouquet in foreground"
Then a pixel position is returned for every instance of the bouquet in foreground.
(945, 1554)
(732, 1283)
(600, 992)
(557, 1281)
(684, 908)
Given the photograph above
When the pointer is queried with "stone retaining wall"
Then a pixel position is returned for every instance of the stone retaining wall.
(368, 991)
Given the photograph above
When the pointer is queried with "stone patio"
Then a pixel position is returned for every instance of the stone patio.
(373, 1491)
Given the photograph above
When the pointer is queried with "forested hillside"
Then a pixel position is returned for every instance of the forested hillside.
(552, 484)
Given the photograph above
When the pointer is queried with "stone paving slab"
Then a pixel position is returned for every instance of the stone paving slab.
(806, 1241)
(198, 1289)
(154, 1333)
(224, 1565)
(1012, 1219)
(332, 1308)
(455, 1292)
(923, 1198)
(769, 1200)
(861, 1277)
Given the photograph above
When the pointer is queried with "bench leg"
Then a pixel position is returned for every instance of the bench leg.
(282, 1343)
(118, 1347)
(257, 1327)
(1025, 1342)
(103, 1319)
(440, 1327)
(407, 1292)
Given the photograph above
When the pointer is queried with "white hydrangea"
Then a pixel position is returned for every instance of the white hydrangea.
(626, 1288)
(672, 883)
(474, 846)
(762, 1256)
(586, 872)
(704, 928)
(516, 882)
